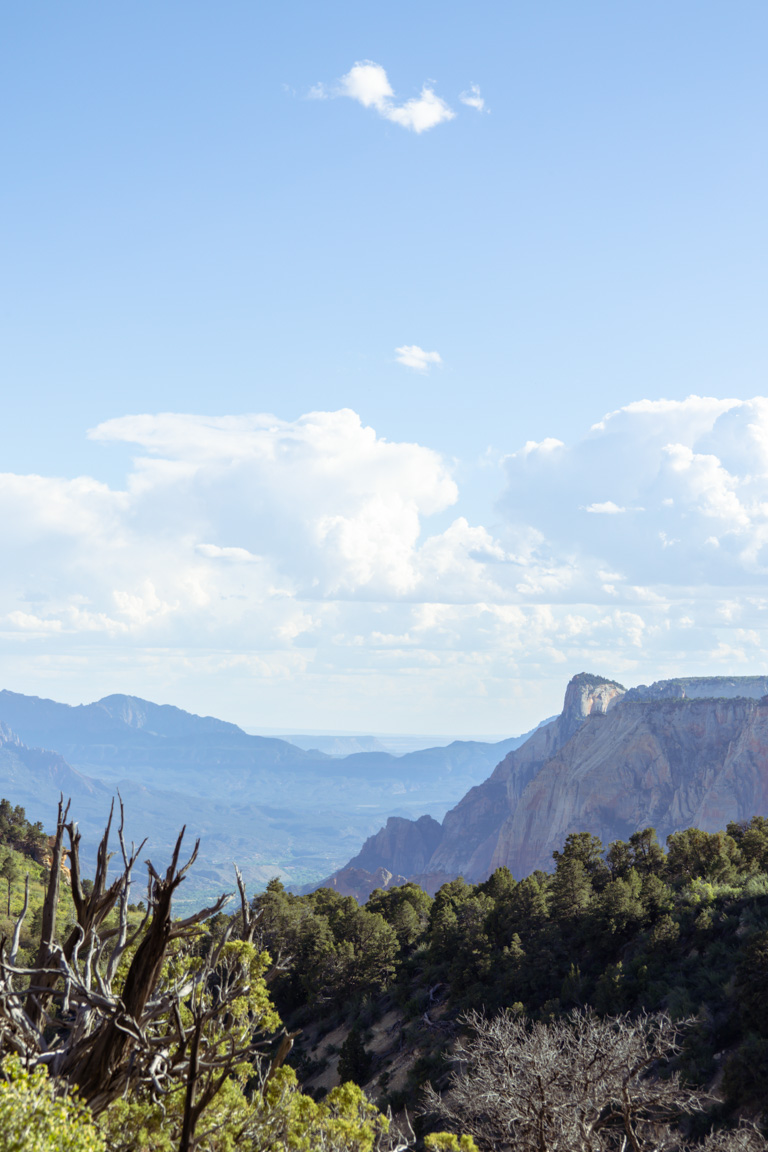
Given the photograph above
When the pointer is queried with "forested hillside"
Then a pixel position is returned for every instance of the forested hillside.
(630, 929)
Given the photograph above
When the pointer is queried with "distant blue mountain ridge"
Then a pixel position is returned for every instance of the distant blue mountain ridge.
(274, 808)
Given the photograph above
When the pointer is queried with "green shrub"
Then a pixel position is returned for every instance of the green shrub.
(34, 1119)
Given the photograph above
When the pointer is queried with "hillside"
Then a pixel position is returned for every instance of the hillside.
(630, 928)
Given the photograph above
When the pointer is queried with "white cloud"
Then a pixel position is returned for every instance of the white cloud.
(302, 556)
(420, 112)
(367, 83)
(549, 444)
(607, 508)
(472, 98)
(414, 357)
(693, 473)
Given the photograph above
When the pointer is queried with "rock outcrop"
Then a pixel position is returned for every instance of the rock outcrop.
(702, 688)
(670, 764)
(471, 830)
(677, 753)
(410, 843)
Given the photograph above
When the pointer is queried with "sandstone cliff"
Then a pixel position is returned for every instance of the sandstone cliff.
(669, 765)
(471, 829)
(359, 883)
(677, 753)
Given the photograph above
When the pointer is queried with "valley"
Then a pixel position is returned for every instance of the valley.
(276, 809)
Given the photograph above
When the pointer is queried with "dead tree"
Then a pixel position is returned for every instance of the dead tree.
(580, 1084)
(745, 1138)
(116, 1012)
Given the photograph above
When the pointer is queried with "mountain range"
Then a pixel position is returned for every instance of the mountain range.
(669, 755)
(677, 753)
(273, 807)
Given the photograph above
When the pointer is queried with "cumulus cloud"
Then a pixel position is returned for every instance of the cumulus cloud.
(688, 512)
(305, 554)
(322, 499)
(473, 99)
(368, 84)
(414, 357)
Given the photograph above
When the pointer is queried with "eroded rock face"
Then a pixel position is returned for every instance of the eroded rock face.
(702, 687)
(359, 883)
(587, 696)
(471, 830)
(679, 753)
(8, 736)
(670, 764)
(402, 846)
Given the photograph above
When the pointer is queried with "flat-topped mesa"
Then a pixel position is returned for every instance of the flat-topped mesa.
(701, 688)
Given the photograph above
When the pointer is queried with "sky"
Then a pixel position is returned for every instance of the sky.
(380, 367)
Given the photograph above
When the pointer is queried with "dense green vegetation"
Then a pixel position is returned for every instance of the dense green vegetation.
(17, 832)
(629, 928)
(24, 851)
(612, 934)
(34, 1116)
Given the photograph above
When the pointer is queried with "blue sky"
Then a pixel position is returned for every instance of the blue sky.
(203, 219)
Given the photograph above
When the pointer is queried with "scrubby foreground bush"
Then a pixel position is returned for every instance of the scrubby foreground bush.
(34, 1117)
(157, 1034)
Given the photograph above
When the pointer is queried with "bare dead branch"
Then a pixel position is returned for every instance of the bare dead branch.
(19, 922)
(581, 1083)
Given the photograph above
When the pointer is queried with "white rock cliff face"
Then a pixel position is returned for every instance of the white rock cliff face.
(668, 765)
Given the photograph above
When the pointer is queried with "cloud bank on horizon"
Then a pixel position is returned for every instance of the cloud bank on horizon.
(368, 84)
(282, 548)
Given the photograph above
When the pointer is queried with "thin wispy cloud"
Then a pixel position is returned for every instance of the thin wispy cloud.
(368, 84)
(411, 356)
(606, 508)
(473, 99)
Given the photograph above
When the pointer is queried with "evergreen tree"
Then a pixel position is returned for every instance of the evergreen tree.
(354, 1060)
(9, 870)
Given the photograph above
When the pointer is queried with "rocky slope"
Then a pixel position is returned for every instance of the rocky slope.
(670, 755)
(670, 765)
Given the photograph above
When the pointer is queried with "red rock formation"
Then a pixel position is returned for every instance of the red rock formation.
(359, 883)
